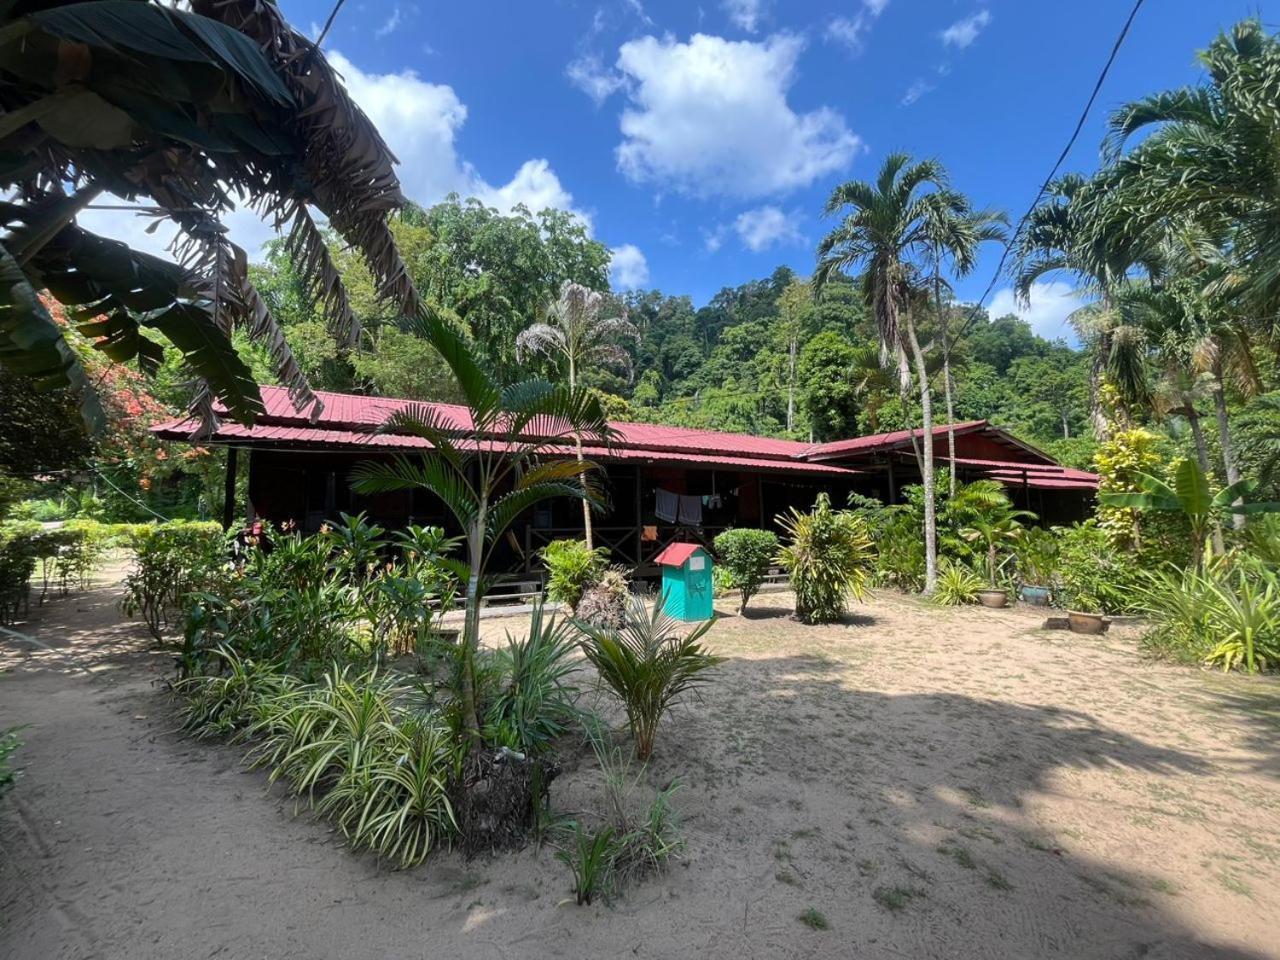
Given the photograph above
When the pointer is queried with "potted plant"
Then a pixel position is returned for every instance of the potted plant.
(999, 525)
(1085, 615)
(1037, 564)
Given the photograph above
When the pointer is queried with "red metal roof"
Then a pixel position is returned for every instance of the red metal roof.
(349, 421)
(675, 554)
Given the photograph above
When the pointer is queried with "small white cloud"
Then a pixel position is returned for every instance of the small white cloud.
(765, 227)
(389, 25)
(313, 31)
(851, 32)
(713, 240)
(590, 76)
(637, 8)
(1049, 305)
(711, 117)
(745, 14)
(963, 32)
(628, 269)
(535, 185)
(919, 87)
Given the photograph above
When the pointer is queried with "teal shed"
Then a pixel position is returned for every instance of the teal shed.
(686, 581)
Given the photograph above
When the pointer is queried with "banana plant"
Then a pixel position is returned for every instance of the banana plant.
(1191, 495)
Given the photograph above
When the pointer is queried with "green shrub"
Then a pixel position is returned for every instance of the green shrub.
(747, 554)
(646, 665)
(19, 549)
(535, 703)
(1093, 577)
(828, 559)
(171, 561)
(1038, 555)
(722, 581)
(957, 584)
(588, 856)
(1227, 615)
(572, 567)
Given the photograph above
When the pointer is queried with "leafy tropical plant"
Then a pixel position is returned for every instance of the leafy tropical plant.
(829, 558)
(536, 703)
(648, 665)
(891, 228)
(1093, 577)
(589, 856)
(1038, 553)
(1191, 496)
(747, 554)
(957, 584)
(171, 561)
(1245, 621)
(576, 329)
(224, 99)
(572, 569)
(489, 467)
(998, 526)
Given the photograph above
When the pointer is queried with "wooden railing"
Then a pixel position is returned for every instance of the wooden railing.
(624, 543)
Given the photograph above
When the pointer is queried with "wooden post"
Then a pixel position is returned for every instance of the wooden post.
(764, 517)
(639, 518)
(229, 491)
(893, 487)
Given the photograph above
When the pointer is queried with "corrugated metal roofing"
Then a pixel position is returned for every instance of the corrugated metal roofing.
(350, 421)
(675, 554)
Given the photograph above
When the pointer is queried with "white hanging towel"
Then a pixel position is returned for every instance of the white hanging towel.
(691, 511)
(666, 505)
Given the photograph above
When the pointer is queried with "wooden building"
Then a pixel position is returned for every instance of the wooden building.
(663, 483)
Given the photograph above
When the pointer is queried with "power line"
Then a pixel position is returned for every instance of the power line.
(1075, 135)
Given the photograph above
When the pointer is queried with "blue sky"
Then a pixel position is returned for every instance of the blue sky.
(700, 140)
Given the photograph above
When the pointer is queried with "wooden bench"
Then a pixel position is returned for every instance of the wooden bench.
(513, 592)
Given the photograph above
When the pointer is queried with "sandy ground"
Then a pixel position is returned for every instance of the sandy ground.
(946, 784)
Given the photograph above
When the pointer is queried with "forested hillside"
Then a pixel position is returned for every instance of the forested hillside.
(764, 357)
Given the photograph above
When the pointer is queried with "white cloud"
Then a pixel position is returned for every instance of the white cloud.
(628, 268)
(389, 25)
(420, 122)
(1050, 303)
(852, 31)
(963, 32)
(765, 227)
(590, 76)
(710, 117)
(744, 13)
(919, 87)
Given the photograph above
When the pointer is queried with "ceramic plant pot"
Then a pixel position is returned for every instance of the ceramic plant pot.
(1089, 623)
(1036, 596)
(993, 598)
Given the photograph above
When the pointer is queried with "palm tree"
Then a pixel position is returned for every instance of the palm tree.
(189, 110)
(489, 468)
(1210, 158)
(1190, 495)
(576, 329)
(955, 232)
(1071, 230)
(884, 231)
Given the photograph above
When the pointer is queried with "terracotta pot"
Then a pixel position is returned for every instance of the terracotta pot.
(1089, 623)
(1034, 595)
(993, 598)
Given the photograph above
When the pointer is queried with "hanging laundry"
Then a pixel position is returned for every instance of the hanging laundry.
(691, 511)
(666, 505)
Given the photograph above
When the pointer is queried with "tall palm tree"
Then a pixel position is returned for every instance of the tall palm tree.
(577, 330)
(1209, 156)
(955, 232)
(489, 468)
(1072, 230)
(884, 232)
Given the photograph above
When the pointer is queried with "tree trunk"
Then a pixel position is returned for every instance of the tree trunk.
(1224, 435)
(1097, 416)
(791, 387)
(1202, 457)
(471, 635)
(930, 507)
(587, 536)
(948, 386)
